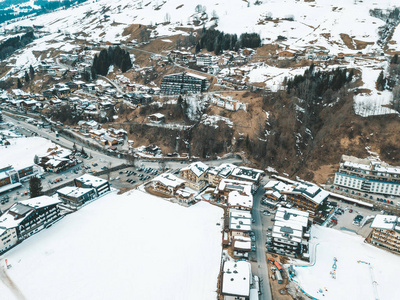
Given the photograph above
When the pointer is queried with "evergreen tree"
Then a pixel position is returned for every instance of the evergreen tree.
(381, 82)
(395, 59)
(19, 84)
(83, 152)
(74, 149)
(26, 77)
(31, 72)
(36, 159)
(35, 186)
(197, 48)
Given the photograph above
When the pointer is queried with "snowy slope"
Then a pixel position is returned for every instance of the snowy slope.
(130, 246)
(354, 280)
(311, 19)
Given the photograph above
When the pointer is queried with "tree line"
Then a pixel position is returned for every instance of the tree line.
(108, 57)
(217, 41)
(12, 44)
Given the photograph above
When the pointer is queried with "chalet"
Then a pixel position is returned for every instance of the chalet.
(9, 179)
(248, 51)
(216, 174)
(287, 54)
(305, 196)
(99, 185)
(119, 134)
(319, 54)
(30, 216)
(89, 87)
(152, 150)
(195, 174)
(167, 183)
(235, 193)
(226, 102)
(87, 126)
(97, 134)
(213, 69)
(56, 165)
(385, 232)
(75, 196)
(247, 174)
(157, 118)
(106, 139)
(239, 222)
(184, 196)
(181, 83)
(72, 85)
(241, 243)
(48, 94)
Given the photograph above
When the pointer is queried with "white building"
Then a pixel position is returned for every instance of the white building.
(239, 222)
(290, 233)
(8, 238)
(368, 176)
(236, 280)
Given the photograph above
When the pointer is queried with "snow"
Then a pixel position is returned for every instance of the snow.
(350, 274)
(373, 102)
(122, 247)
(21, 151)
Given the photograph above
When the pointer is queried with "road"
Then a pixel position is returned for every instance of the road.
(61, 140)
(260, 246)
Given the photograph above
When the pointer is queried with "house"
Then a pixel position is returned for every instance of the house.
(87, 126)
(167, 183)
(290, 233)
(157, 118)
(30, 216)
(97, 133)
(235, 193)
(386, 232)
(89, 87)
(241, 243)
(119, 134)
(287, 54)
(75, 196)
(99, 185)
(106, 139)
(205, 59)
(195, 174)
(184, 196)
(236, 280)
(239, 222)
(181, 83)
(226, 102)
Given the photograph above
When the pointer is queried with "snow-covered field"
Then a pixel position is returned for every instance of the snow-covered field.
(354, 277)
(21, 151)
(320, 22)
(130, 246)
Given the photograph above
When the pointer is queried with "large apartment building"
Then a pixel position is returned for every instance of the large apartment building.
(368, 176)
(386, 232)
(290, 233)
(182, 83)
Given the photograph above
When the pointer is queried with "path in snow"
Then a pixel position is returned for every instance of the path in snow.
(10, 284)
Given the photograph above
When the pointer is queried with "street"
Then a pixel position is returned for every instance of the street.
(260, 246)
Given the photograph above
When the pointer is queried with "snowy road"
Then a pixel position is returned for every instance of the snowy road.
(260, 243)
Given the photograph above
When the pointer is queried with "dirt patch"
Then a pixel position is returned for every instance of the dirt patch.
(324, 172)
(278, 290)
(348, 41)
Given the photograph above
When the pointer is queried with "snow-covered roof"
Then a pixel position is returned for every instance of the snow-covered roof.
(223, 170)
(39, 202)
(239, 220)
(235, 185)
(247, 173)
(236, 278)
(74, 191)
(236, 198)
(157, 115)
(91, 180)
(169, 180)
(385, 222)
(198, 168)
(242, 245)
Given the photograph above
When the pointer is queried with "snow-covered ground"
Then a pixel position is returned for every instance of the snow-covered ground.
(320, 22)
(373, 102)
(21, 151)
(359, 265)
(130, 246)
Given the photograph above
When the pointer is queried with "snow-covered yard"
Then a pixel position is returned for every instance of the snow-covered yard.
(359, 265)
(130, 246)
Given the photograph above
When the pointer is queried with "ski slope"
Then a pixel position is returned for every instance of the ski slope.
(130, 246)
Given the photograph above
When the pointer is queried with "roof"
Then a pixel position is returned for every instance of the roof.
(385, 222)
(223, 170)
(236, 278)
(39, 202)
(157, 115)
(239, 220)
(169, 180)
(91, 180)
(247, 173)
(235, 185)
(74, 191)
(198, 168)
(236, 198)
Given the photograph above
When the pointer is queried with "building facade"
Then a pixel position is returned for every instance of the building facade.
(368, 176)
(182, 83)
(386, 233)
